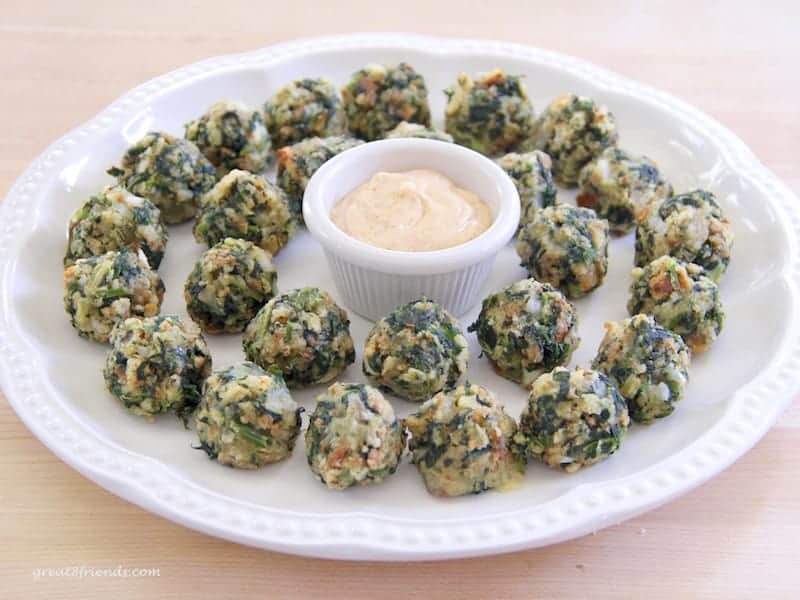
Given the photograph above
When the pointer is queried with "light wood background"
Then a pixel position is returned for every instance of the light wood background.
(737, 536)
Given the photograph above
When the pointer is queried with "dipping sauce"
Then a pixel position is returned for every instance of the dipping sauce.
(412, 211)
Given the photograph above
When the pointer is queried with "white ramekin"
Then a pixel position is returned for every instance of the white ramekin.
(372, 281)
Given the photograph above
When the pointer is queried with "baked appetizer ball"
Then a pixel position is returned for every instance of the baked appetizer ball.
(115, 219)
(302, 109)
(416, 351)
(490, 114)
(246, 417)
(573, 419)
(533, 179)
(168, 171)
(157, 365)
(100, 291)
(231, 136)
(303, 333)
(618, 186)
(680, 297)
(461, 442)
(228, 284)
(297, 163)
(573, 130)
(567, 247)
(378, 97)
(525, 329)
(647, 362)
(415, 130)
(690, 227)
(353, 437)
(245, 206)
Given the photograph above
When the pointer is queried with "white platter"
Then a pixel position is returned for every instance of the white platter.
(738, 389)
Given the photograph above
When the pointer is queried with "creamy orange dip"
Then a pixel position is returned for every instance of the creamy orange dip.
(413, 211)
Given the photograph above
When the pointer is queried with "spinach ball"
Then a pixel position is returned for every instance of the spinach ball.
(100, 291)
(298, 162)
(690, 227)
(620, 186)
(157, 365)
(379, 97)
(461, 442)
(573, 130)
(230, 282)
(680, 297)
(647, 362)
(566, 247)
(490, 113)
(245, 206)
(231, 136)
(527, 328)
(246, 417)
(353, 437)
(533, 179)
(573, 419)
(415, 130)
(168, 171)
(115, 219)
(303, 109)
(415, 351)
(303, 333)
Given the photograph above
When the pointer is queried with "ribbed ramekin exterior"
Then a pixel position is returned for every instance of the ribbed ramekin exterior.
(373, 294)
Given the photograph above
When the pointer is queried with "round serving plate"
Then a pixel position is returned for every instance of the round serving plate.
(53, 379)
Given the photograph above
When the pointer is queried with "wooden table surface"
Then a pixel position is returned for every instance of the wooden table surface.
(736, 536)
